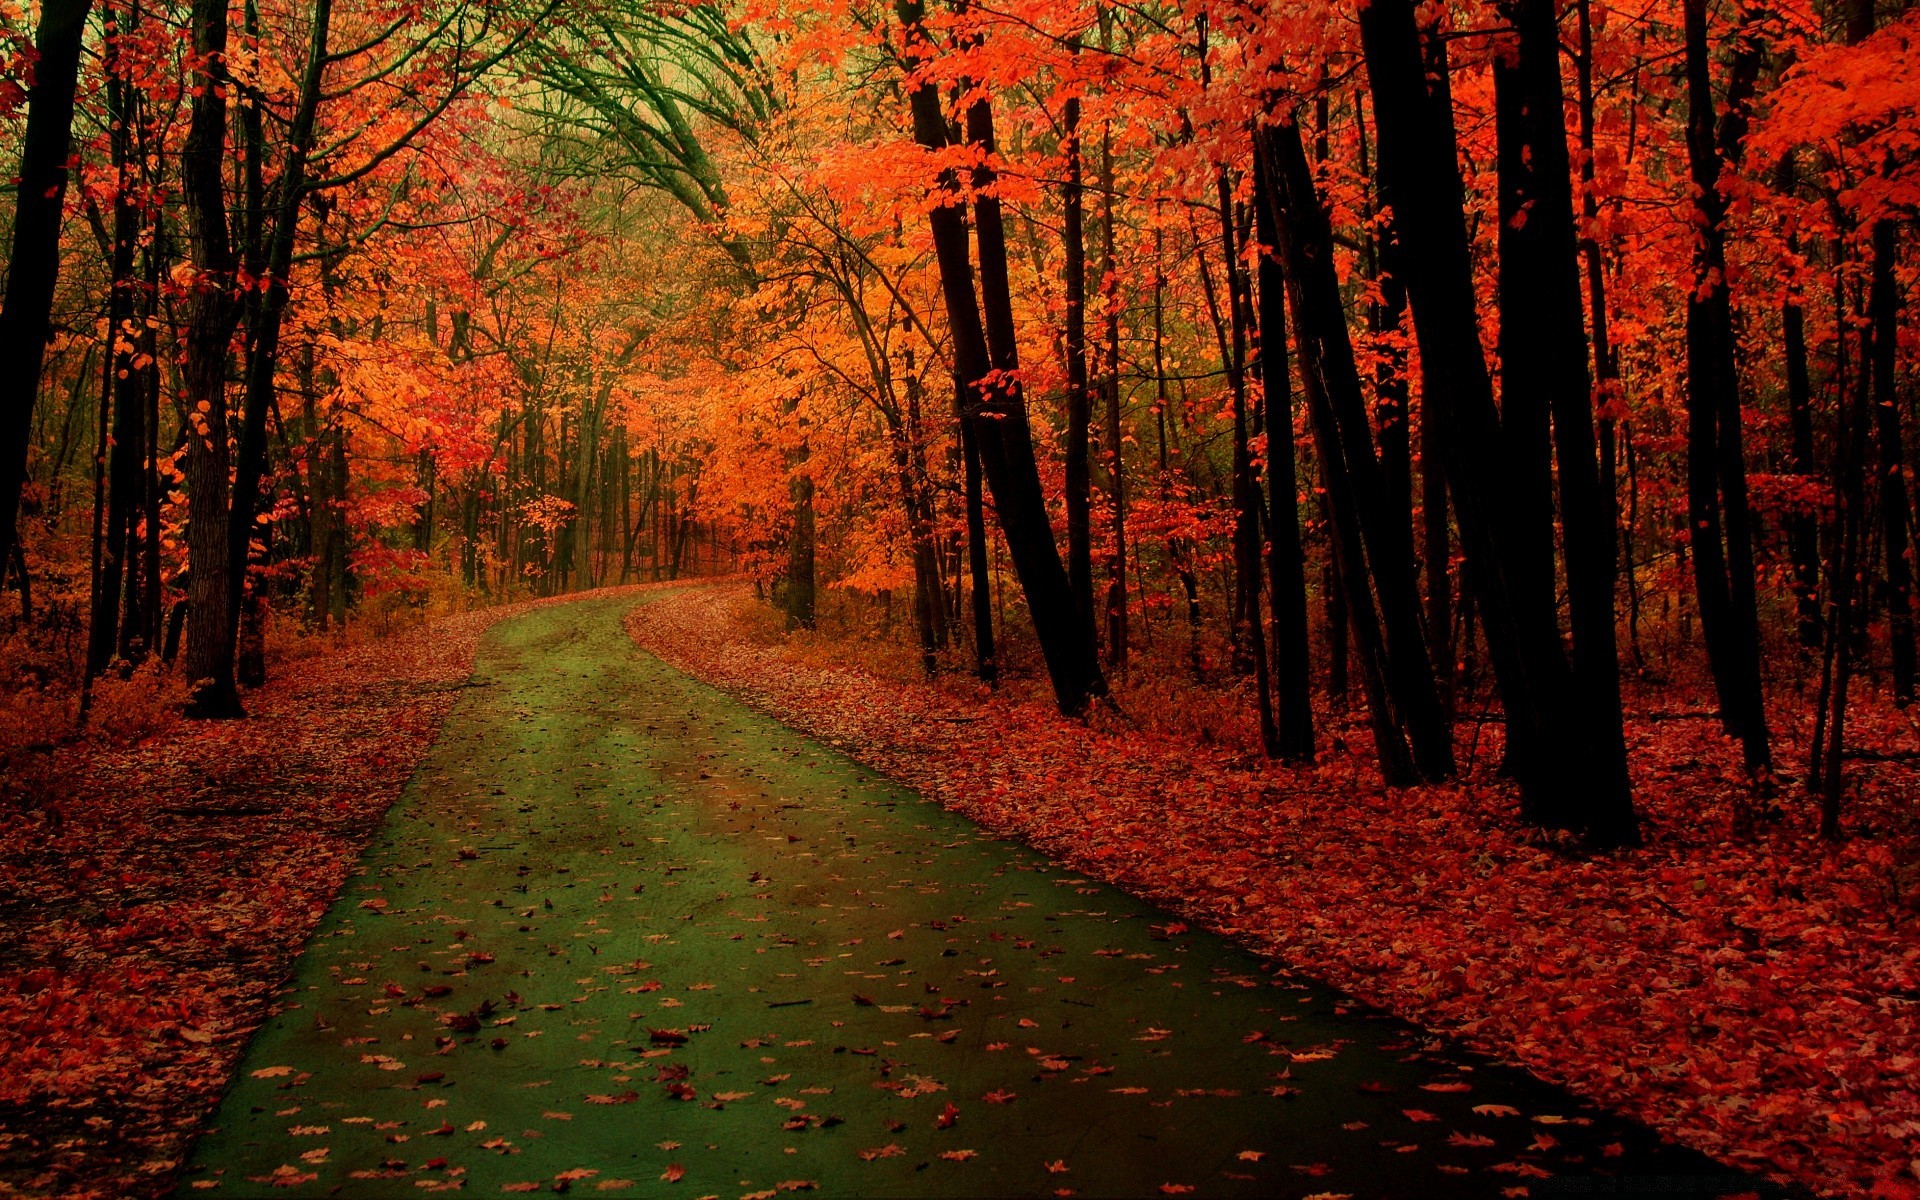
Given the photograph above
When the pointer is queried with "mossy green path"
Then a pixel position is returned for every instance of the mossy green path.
(622, 932)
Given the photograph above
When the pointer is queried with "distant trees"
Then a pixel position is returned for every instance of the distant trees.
(1439, 352)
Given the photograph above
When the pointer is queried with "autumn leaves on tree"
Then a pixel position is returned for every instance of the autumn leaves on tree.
(1479, 353)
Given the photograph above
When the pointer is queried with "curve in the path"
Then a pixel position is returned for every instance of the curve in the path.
(623, 934)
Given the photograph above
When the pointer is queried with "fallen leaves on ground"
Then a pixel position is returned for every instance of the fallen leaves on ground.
(1765, 985)
(162, 893)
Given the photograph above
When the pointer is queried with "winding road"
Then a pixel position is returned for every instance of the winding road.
(624, 934)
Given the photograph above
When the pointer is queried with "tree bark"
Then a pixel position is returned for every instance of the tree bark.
(993, 405)
(1373, 545)
(1896, 534)
(213, 310)
(1079, 481)
(1116, 599)
(1718, 519)
(1286, 557)
(122, 385)
(1420, 182)
(1544, 363)
(1803, 530)
(33, 264)
(980, 585)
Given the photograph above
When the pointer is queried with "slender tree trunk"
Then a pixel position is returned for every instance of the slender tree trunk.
(1373, 543)
(212, 313)
(1116, 600)
(1248, 634)
(1896, 535)
(33, 264)
(1079, 403)
(289, 192)
(1606, 363)
(1827, 766)
(121, 384)
(1420, 182)
(994, 406)
(1803, 530)
(922, 514)
(798, 593)
(1716, 466)
(144, 623)
(1286, 558)
(1176, 546)
(980, 586)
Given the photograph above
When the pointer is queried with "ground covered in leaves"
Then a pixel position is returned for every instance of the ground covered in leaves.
(1754, 996)
(621, 933)
(151, 906)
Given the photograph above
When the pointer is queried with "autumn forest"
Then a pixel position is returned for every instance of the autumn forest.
(1397, 511)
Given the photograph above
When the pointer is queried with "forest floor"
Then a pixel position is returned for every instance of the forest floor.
(659, 911)
(620, 930)
(1754, 994)
(153, 896)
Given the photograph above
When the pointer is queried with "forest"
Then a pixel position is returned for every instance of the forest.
(1493, 420)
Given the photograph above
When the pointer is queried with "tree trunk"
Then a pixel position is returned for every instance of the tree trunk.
(980, 586)
(1420, 182)
(1079, 481)
(798, 594)
(263, 356)
(1116, 600)
(1826, 756)
(1525, 364)
(1716, 466)
(212, 313)
(1286, 558)
(33, 265)
(993, 403)
(1373, 544)
(1803, 530)
(121, 388)
(1896, 535)
(1544, 362)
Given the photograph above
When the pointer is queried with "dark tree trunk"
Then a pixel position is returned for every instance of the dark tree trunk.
(144, 611)
(1896, 535)
(1371, 542)
(33, 263)
(1525, 414)
(121, 388)
(1286, 558)
(1606, 364)
(979, 584)
(1436, 556)
(1544, 363)
(212, 312)
(1176, 546)
(799, 591)
(1803, 530)
(993, 403)
(1248, 634)
(1826, 755)
(1116, 600)
(1079, 482)
(1718, 519)
(1420, 182)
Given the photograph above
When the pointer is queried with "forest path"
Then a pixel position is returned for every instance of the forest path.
(622, 932)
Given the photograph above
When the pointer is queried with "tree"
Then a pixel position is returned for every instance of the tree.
(987, 361)
(1551, 754)
(1719, 522)
(33, 265)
